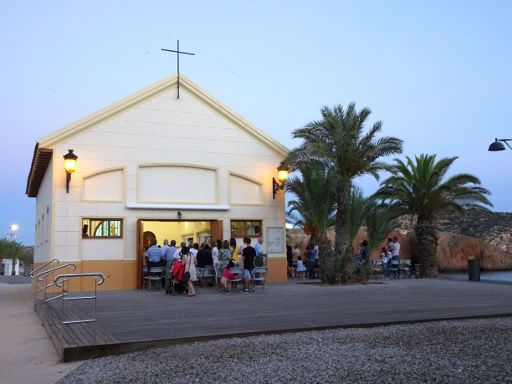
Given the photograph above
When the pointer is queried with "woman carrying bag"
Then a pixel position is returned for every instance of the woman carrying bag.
(190, 275)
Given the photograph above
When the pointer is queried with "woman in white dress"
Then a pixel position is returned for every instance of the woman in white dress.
(215, 257)
(189, 261)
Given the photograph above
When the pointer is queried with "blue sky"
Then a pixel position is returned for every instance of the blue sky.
(437, 73)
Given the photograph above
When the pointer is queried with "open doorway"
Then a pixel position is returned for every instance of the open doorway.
(195, 231)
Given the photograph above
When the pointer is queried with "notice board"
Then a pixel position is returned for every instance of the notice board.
(275, 240)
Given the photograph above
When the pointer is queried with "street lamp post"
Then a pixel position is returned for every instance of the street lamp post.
(497, 145)
(12, 231)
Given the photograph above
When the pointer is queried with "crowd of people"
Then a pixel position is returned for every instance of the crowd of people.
(222, 255)
(305, 264)
(302, 265)
(390, 258)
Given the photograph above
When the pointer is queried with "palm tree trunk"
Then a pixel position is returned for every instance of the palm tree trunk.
(427, 244)
(326, 269)
(342, 225)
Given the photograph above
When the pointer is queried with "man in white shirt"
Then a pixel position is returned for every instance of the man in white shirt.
(394, 248)
(177, 255)
(194, 249)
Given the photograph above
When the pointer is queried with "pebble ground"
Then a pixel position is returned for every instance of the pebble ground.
(469, 351)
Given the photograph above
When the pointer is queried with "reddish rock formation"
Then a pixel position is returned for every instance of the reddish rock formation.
(453, 250)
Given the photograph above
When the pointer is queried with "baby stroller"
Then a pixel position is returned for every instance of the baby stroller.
(174, 283)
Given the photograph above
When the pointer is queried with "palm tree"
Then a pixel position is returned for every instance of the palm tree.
(339, 143)
(378, 222)
(358, 208)
(10, 249)
(418, 187)
(313, 208)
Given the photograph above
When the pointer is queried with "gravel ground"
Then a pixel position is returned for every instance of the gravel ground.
(470, 351)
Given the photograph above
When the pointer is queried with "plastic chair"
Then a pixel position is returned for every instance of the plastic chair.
(260, 275)
(238, 277)
(377, 268)
(154, 275)
(208, 274)
(405, 266)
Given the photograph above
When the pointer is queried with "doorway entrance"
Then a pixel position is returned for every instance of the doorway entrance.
(195, 231)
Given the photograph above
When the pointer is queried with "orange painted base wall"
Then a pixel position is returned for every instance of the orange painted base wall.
(121, 274)
(277, 270)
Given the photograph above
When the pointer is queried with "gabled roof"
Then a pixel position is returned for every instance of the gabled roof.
(45, 144)
(40, 161)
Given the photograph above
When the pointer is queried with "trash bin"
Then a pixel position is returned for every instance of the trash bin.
(474, 269)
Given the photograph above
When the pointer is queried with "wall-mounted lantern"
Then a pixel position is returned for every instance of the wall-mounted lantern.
(180, 215)
(69, 166)
(282, 175)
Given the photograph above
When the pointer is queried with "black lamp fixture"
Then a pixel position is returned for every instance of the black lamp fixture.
(180, 215)
(282, 175)
(497, 145)
(69, 166)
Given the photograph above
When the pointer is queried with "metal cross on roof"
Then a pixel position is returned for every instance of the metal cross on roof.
(177, 51)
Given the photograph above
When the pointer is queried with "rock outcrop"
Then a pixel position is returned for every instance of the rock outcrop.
(494, 228)
(453, 249)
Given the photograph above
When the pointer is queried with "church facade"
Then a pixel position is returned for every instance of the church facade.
(154, 165)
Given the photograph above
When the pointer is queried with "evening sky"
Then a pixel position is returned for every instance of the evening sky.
(437, 73)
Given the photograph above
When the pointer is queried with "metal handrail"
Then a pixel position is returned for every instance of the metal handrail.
(43, 274)
(42, 266)
(99, 274)
(59, 280)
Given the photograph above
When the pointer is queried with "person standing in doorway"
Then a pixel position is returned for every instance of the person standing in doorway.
(261, 258)
(169, 253)
(164, 248)
(189, 261)
(177, 255)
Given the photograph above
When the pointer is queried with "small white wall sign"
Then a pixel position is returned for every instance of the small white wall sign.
(275, 240)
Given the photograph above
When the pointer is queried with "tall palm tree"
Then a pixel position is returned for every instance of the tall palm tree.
(313, 207)
(418, 187)
(339, 143)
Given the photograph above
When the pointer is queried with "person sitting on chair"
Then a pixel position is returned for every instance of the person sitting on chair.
(225, 280)
(153, 254)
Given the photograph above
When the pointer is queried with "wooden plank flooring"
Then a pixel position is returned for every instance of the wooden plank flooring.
(130, 320)
(72, 337)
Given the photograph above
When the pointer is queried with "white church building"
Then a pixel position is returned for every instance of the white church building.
(154, 165)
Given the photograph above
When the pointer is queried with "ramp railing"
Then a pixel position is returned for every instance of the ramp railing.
(60, 281)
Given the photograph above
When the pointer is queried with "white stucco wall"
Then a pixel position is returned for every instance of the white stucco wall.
(43, 221)
(163, 130)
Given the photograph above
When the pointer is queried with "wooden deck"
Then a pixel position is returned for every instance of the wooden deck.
(132, 320)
